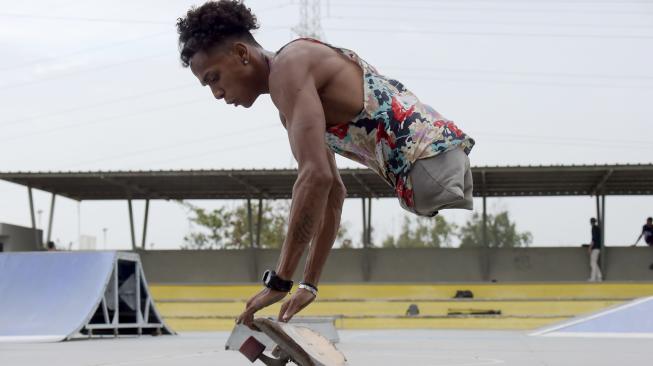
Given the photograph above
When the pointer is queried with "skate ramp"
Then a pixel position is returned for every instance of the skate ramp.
(630, 320)
(55, 296)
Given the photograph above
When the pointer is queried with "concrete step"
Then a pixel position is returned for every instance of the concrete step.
(370, 306)
(395, 308)
(502, 323)
(402, 292)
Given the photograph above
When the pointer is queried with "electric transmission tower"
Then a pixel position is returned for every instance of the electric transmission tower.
(309, 20)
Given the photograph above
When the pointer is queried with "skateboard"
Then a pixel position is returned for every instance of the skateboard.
(297, 344)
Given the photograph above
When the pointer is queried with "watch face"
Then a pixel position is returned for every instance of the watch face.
(266, 277)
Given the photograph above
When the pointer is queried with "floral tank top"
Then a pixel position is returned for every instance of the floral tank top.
(393, 130)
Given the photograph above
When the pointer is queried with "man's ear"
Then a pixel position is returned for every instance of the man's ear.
(240, 50)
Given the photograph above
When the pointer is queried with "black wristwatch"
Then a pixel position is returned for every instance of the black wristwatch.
(274, 282)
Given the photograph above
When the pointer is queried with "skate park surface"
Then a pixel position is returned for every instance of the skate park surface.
(362, 347)
(374, 328)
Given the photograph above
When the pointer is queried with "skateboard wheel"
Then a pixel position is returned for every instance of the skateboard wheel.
(252, 349)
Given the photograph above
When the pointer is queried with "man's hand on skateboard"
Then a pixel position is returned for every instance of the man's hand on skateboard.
(298, 301)
(264, 298)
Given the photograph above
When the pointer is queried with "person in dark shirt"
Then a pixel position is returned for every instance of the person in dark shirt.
(647, 233)
(595, 251)
(50, 246)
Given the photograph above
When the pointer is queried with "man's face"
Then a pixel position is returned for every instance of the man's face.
(224, 71)
(649, 222)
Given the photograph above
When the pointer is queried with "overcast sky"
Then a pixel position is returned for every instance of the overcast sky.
(97, 85)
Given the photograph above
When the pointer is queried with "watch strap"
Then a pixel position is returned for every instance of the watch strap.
(272, 281)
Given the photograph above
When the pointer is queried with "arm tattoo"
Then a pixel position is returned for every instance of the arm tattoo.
(303, 229)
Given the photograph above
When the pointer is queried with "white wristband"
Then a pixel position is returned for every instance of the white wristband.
(309, 288)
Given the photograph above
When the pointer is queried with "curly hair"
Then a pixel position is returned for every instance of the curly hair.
(212, 23)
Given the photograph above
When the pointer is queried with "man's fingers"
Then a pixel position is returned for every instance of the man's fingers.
(289, 310)
(284, 307)
(247, 320)
(295, 305)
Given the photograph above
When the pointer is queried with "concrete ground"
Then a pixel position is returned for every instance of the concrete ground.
(377, 347)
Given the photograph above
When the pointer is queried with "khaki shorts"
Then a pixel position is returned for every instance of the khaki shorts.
(442, 181)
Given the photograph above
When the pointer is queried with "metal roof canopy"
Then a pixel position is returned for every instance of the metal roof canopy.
(560, 180)
(575, 180)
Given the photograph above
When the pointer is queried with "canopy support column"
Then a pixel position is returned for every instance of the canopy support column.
(254, 275)
(485, 241)
(369, 222)
(250, 224)
(131, 223)
(364, 236)
(259, 223)
(49, 238)
(366, 244)
(145, 220)
(485, 245)
(604, 252)
(37, 242)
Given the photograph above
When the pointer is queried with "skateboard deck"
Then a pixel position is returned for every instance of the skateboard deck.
(297, 344)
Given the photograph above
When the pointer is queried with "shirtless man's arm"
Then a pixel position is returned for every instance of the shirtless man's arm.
(318, 192)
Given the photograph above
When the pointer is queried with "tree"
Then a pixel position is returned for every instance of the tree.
(342, 237)
(422, 232)
(216, 231)
(273, 224)
(229, 229)
(501, 232)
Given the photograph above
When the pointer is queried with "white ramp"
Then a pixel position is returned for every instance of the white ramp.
(631, 320)
(54, 296)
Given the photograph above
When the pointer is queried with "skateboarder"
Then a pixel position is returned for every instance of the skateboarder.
(647, 233)
(330, 101)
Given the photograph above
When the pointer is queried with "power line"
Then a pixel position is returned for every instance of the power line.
(515, 138)
(84, 51)
(521, 73)
(110, 20)
(210, 152)
(276, 7)
(87, 123)
(265, 141)
(82, 19)
(557, 139)
(168, 147)
(521, 2)
(571, 144)
(542, 83)
(479, 10)
(501, 34)
(95, 105)
(101, 67)
(109, 45)
(448, 20)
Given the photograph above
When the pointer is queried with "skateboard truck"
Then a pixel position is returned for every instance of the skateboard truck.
(253, 350)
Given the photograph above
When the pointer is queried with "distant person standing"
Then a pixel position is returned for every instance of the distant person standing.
(647, 233)
(595, 251)
(51, 247)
